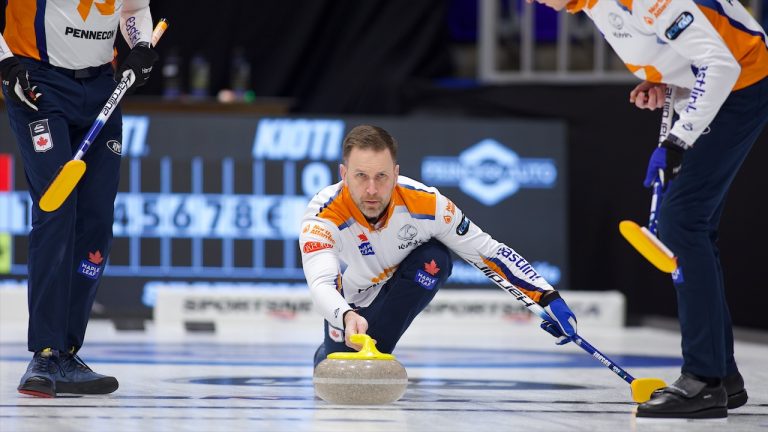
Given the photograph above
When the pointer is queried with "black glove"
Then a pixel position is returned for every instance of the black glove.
(15, 81)
(139, 61)
(668, 158)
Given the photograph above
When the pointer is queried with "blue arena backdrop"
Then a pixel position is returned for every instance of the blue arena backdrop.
(217, 200)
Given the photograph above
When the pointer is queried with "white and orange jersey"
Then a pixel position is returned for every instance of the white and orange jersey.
(347, 261)
(709, 47)
(74, 34)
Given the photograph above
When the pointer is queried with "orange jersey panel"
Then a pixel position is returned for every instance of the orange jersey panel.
(748, 48)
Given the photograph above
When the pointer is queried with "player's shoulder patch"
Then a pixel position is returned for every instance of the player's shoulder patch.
(682, 22)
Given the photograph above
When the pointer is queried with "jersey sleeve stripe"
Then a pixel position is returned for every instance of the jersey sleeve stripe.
(330, 200)
(42, 45)
(530, 290)
(747, 46)
(625, 4)
(346, 224)
(331, 211)
(20, 28)
(718, 8)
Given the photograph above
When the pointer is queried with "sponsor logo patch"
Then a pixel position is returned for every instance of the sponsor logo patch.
(513, 259)
(428, 277)
(89, 34)
(450, 207)
(313, 246)
(659, 7)
(616, 21)
(365, 246)
(463, 226)
(133, 32)
(321, 231)
(91, 267)
(681, 23)
(425, 280)
(115, 146)
(407, 232)
(41, 135)
(699, 90)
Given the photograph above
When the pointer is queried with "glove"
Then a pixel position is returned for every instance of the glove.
(15, 80)
(563, 324)
(554, 330)
(139, 64)
(668, 158)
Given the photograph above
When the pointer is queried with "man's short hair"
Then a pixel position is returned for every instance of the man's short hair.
(366, 137)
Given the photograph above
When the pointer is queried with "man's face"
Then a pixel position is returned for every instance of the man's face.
(554, 4)
(370, 177)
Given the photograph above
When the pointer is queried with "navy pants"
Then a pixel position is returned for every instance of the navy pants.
(688, 224)
(401, 298)
(68, 248)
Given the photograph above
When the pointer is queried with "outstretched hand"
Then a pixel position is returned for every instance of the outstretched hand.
(563, 325)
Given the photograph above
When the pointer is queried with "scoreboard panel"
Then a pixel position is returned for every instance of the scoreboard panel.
(215, 199)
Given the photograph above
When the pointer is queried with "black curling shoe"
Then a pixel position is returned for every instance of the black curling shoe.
(737, 394)
(687, 398)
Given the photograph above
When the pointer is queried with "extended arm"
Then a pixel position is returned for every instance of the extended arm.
(499, 261)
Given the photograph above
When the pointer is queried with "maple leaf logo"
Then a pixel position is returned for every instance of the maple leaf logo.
(42, 142)
(363, 238)
(96, 258)
(431, 268)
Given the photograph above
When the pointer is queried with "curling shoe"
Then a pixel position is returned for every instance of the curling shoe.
(42, 374)
(76, 377)
(687, 398)
(734, 386)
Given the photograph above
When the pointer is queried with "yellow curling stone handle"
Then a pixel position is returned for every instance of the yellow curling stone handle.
(367, 352)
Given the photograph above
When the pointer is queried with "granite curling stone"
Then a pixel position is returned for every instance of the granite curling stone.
(367, 377)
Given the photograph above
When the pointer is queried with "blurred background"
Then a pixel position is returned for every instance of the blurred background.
(519, 114)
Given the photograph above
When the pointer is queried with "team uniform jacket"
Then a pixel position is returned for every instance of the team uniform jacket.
(708, 47)
(347, 261)
(73, 34)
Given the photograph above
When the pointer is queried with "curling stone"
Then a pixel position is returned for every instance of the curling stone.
(366, 377)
